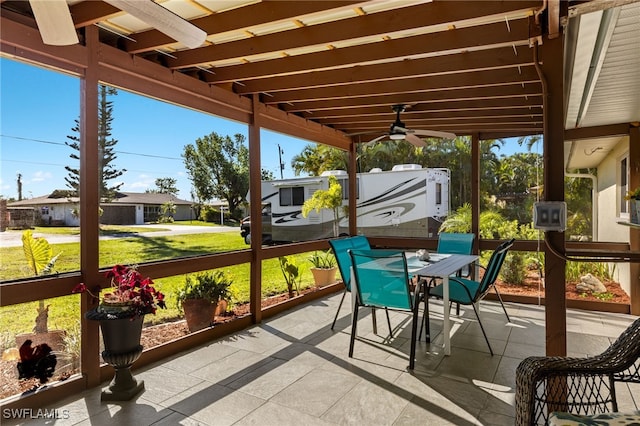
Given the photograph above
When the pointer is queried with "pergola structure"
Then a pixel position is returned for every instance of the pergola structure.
(328, 71)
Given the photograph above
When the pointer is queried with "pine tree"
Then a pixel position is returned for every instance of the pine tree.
(106, 152)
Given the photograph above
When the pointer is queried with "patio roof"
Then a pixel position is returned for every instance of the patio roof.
(343, 64)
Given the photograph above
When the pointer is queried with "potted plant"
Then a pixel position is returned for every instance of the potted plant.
(324, 267)
(200, 296)
(121, 312)
(634, 204)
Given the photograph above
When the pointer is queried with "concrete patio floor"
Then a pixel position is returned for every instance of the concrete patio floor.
(294, 370)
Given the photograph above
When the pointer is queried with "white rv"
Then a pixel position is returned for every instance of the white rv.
(407, 201)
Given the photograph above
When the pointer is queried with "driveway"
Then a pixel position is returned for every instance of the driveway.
(13, 238)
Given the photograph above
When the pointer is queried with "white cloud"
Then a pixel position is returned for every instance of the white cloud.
(41, 176)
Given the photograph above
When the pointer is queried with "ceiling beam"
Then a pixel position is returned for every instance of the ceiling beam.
(87, 13)
(406, 98)
(410, 85)
(447, 123)
(417, 46)
(530, 102)
(247, 16)
(375, 24)
(467, 61)
(489, 113)
(621, 129)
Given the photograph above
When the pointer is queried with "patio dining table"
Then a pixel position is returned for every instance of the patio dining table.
(439, 265)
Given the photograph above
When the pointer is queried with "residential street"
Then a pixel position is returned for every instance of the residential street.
(13, 238)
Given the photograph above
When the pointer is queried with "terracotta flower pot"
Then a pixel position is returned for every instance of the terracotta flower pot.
(324, 276)
(198, 313)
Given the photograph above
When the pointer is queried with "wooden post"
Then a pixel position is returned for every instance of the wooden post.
(255, 202)
(475, 193)
(353, 182)
(555, 296)
(634, 233)
(89, 206)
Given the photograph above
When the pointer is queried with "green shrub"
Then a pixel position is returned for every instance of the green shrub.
(513, 270)
(209, 214)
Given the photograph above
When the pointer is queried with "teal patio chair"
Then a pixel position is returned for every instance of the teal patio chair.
(469, 292)
(452, 243)
(456, 243)
(382, 281)
(341, 247)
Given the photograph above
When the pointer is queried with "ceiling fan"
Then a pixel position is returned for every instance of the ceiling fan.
(398, 131)
(56, 25)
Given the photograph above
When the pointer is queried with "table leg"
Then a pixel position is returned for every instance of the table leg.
(446, 329)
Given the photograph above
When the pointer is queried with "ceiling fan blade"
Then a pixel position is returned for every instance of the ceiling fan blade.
(54, 22)
(163, 20)
(379, 138)
(434, 134)
(414, 140)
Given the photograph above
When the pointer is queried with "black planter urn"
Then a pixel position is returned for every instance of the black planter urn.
(121, 338)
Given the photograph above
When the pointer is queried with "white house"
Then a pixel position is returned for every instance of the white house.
(127, 208)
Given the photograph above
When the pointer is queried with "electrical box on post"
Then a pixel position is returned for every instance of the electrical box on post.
(550, 215)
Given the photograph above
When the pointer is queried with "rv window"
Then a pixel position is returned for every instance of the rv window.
(344, 183)
(438, 193)
(292, 196)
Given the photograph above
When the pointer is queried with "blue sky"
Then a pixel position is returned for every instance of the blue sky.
(36, 119)
(35, 122)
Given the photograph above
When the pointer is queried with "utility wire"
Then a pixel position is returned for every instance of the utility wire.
(64, 144)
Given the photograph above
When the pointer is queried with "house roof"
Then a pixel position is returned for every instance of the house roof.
(464, 67)
(121, 198)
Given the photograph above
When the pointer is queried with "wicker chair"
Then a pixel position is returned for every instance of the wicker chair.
(576, 385)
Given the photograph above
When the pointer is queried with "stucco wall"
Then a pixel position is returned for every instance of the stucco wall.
(609, 212)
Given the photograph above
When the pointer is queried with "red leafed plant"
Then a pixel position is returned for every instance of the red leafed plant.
(129, 287)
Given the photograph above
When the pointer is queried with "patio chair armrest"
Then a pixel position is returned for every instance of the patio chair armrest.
(577, 385)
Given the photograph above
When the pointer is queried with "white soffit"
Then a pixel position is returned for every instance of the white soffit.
(589, 153)
(616, 94)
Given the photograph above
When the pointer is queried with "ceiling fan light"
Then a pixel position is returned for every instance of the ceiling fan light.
(396, 136)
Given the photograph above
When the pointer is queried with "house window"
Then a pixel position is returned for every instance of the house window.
(624, 185)
(293, 196)
(44, 210)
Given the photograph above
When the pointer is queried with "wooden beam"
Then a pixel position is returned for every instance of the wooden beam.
(634, 233)
(247, 16)
(533, 103)
(412, 84)
(279, 121)
(379, 24)
(444, 96)
(621, 129)
(490, 59)
(398, 49)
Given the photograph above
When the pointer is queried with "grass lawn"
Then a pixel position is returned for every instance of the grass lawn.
(64, 312)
